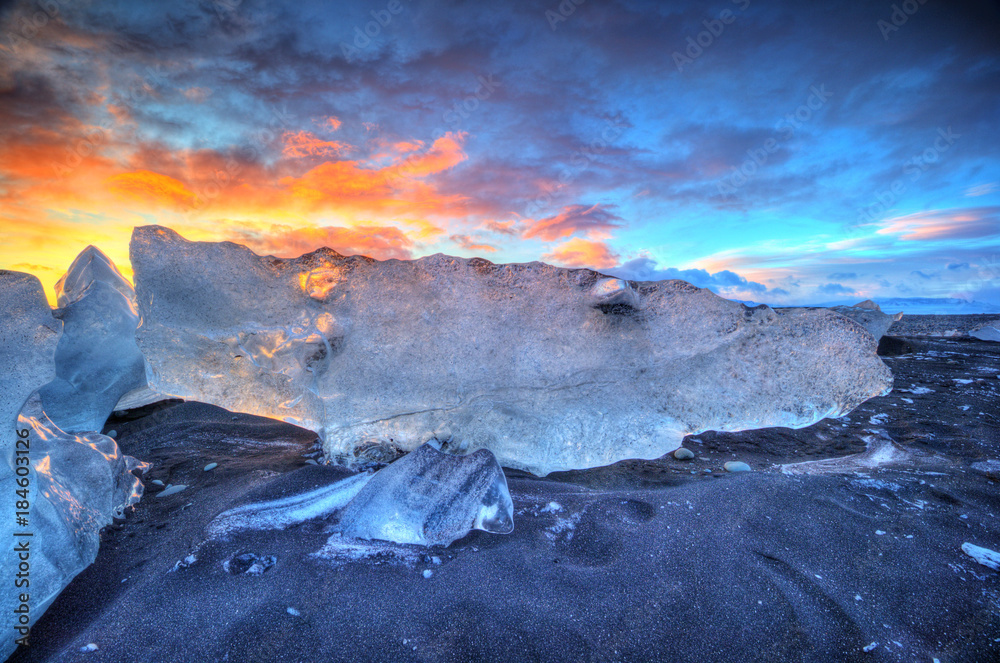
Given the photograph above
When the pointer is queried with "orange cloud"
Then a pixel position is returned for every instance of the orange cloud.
(446, 152)
(470, 244)
(595, 221)
(154, 187)
(306, 144)
(379, 242)
(582, 253)
(968, 223)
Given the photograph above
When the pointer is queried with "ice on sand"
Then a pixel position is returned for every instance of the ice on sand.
(427, 497)
(97, 361)
(548, 368)
(72, 485)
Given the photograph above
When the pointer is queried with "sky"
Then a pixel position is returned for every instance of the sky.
(781, 152)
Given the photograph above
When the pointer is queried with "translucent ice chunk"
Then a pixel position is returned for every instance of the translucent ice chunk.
(75, 486)
(548, 368)
(97, 360)
(63, 488)
(278, 514)
(870, 316)
(431, 498)
(987, 332)
(427, 497)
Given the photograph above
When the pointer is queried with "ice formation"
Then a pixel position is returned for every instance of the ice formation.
(870, 316)
(987, 332)
(427, 497)
(97, 360)
(70, 486)
(548, 368)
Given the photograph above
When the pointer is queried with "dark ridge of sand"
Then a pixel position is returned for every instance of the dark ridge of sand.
(644, 560)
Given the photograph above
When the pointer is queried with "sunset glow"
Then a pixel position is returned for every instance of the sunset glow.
(802, 156)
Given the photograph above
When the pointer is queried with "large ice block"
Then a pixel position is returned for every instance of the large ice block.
(97, 360)
(76, 485)
(548, 368)
(63, 488)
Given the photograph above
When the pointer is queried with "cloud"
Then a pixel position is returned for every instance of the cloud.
(469, 244)
(594, 221)
(306, 144)
(966, 223)
(379, 242)
(645, 269)
(843, 276)
(836, 289)
(957, 265)
(578, 252)
(153, 187)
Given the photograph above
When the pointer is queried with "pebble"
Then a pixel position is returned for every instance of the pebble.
(112, 433)
(683, 454)
(428, 573)
(736, 466)
(211, 466)
(171, 490)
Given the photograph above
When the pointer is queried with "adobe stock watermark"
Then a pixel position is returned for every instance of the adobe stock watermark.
(204, 194)
(758, 156)
(381, 19)
(91, 141)
(223, 7)
(28, 24)
(913, 170)
(452, 119)
(714, 27)
(901, 13)
(580, 161)
(561, 12)
(987, 275)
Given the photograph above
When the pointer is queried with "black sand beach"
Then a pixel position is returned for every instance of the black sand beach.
(660, 560)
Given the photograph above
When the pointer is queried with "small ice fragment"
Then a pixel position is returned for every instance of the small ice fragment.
(869, 647)
(210, 467)
(551, 507)
(818, 576)
(435, 559)
(964, 516)
(431, 498)
(984, 556)
(909, 536)
(311, 462)
(907, 400)
(428, 573)
(736, 466)
(190, 559)
(171, 490)
(962, 381)
(879, 532)
(89, 647)
(293, 612)
(857, 597)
